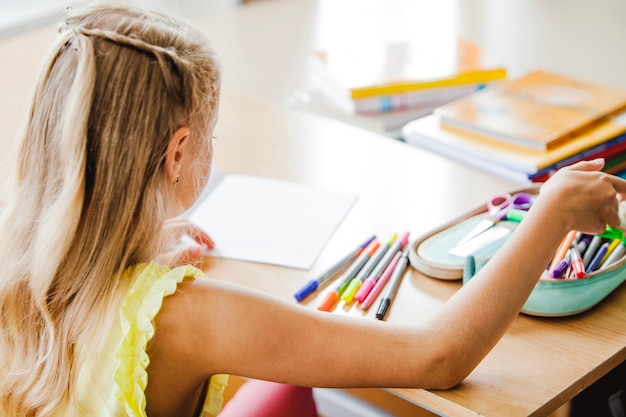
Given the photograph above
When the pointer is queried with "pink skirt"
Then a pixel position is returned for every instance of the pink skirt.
(268, 399)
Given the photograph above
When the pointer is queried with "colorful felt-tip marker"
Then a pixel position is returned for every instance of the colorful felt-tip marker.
(595, 262)
(371, 280)
(331, 298)
(516, 215)
(609, 250)
(562, 249)
(562, 266)
(382, 281)
(394, 281)
(591, 250)
(583, 243)
(611, 233)
(577, 261)
(374, 260)
(314, 284)
(617, 253)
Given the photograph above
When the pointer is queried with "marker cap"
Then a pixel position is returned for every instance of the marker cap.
(382, 309)
(308, 288)
(612, 233)
(329, 301)
(515, 215)
(348, 294)
(365, 289)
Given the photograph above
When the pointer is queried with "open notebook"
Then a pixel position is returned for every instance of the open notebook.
(266, 220)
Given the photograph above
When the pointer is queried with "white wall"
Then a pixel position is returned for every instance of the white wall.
(23, 15)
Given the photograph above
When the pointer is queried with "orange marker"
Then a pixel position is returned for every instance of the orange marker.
(331, 298)
(562, 249)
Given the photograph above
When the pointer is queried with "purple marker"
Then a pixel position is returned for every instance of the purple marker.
(558, 271)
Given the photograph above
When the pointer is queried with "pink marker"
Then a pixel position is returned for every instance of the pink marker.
(370, 281)
(371, 297)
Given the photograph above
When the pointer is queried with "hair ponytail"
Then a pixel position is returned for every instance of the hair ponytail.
(39, 223)
(57, 226)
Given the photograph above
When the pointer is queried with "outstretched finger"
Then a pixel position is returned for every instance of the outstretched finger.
(620, 186)
(592, 165)
(180, 227)
(200, 236)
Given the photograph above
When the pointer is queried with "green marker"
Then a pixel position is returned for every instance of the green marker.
(516, 215)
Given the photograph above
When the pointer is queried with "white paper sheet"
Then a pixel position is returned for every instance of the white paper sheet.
(270, 221)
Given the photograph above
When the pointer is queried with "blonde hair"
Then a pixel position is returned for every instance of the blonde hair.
(87, 199)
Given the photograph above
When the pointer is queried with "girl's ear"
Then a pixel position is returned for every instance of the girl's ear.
(176, 152)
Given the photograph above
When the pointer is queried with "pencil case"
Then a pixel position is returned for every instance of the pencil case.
(550, 297)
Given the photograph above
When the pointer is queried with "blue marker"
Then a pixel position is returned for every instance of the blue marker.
(595, 262)
(314, 284)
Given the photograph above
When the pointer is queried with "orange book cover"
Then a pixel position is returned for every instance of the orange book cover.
(541, 110)
(427, 133)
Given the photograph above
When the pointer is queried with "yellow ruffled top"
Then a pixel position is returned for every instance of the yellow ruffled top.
(124, 356)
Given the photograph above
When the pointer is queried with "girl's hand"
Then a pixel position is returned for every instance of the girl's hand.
(182, 243)
(586, 198)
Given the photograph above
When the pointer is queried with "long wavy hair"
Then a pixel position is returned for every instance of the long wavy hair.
(87, 199)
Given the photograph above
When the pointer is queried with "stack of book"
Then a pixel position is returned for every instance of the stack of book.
(526, 129)
(389, 84)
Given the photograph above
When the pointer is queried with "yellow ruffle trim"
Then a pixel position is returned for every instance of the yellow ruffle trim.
(215, 399)
(153, 282)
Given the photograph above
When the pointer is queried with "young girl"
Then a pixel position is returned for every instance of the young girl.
(95, 323)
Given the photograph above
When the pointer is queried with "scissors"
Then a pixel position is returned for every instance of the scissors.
(498, 207)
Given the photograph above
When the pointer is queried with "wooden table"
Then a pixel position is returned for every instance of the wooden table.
(538, 365)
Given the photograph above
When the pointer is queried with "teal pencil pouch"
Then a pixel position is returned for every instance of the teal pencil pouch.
(430, 254)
